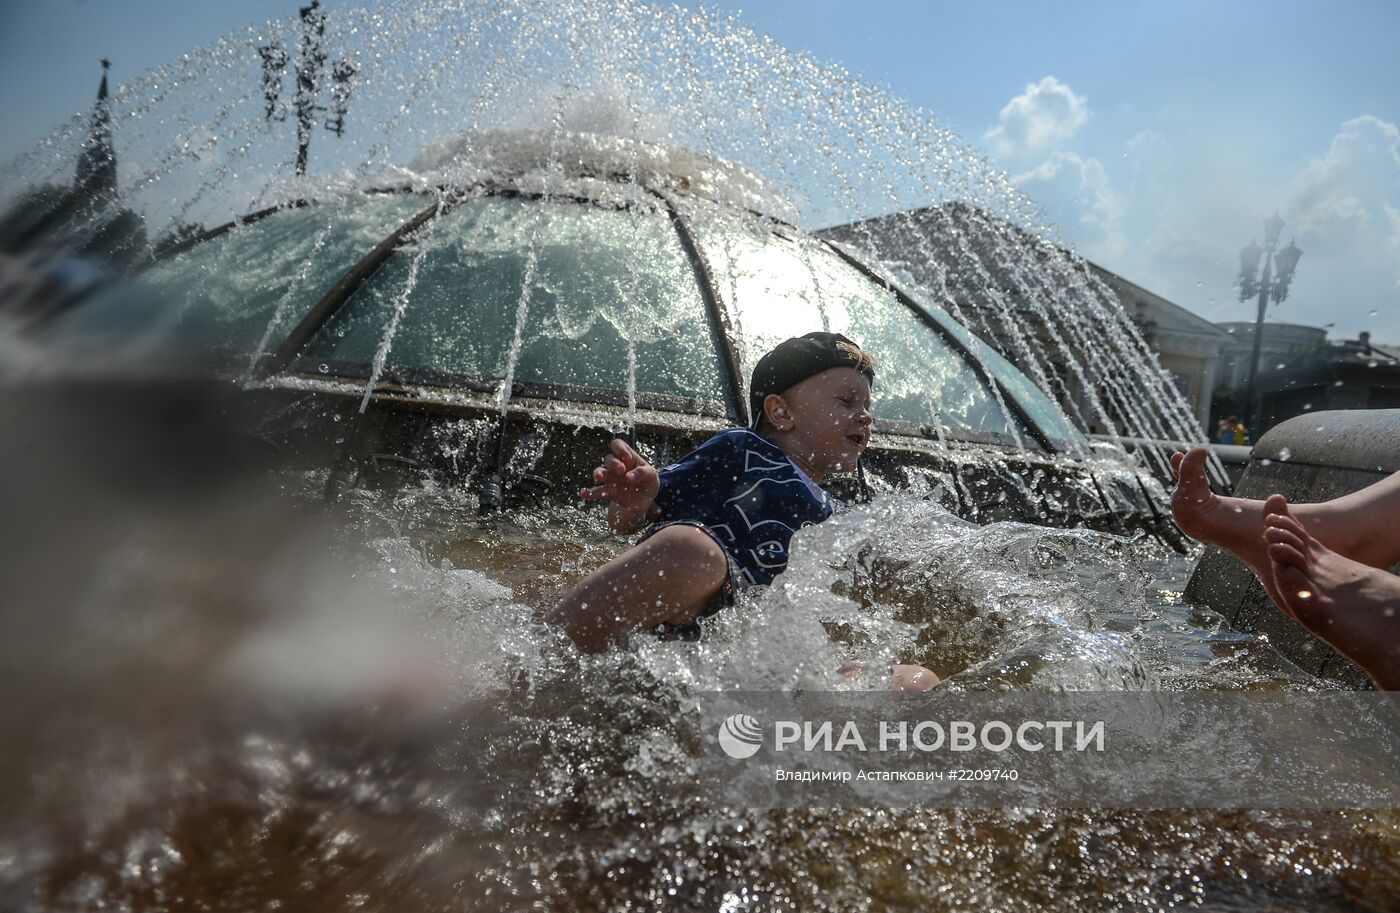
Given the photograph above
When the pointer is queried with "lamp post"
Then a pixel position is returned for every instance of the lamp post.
(1271, 284)
(311, 59)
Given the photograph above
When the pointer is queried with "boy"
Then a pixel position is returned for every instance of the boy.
(724, 515)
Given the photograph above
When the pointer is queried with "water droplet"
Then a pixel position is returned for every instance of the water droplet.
(1285, 454)
(325, 369)
(1266, 462)
(1305, 594)
(1373, 312)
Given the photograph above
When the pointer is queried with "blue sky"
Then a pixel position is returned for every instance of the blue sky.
(1157, 135)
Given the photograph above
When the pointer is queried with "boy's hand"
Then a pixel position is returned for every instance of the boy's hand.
(627, 480)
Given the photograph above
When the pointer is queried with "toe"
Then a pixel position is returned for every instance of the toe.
(1287, 523)
(1192, 488)
(1284, 536)
(1286, 555)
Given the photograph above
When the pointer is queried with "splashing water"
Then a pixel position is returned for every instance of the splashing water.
(230, 702)
(366, 708)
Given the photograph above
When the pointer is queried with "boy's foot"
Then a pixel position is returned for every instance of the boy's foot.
(1352, 606)
(1234, 524)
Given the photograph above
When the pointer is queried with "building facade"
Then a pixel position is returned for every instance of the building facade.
(1190, 348)
(1301, 371)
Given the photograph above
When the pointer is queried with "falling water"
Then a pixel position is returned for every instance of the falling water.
(405, 292)
(230, 702)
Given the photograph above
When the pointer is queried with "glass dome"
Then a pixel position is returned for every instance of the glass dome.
(605, 298)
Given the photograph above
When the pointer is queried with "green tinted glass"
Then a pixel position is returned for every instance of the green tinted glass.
(226, 293)
(783, 287)
(598, 277)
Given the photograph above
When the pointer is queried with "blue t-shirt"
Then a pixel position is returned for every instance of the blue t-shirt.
(749, 494)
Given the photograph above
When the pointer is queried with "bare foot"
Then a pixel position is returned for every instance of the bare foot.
(1352, 606)
(1234, 524)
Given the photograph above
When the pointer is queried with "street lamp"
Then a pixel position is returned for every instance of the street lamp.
(311, 59)
(1270, 284)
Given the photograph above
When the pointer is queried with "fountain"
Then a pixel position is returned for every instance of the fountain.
(571, 278)
(535, 229)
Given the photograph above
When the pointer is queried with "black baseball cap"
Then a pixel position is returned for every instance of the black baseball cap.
(797, 359)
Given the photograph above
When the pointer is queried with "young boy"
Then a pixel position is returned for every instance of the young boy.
(723, 516)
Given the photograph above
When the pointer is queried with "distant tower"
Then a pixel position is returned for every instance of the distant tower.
(96, 179)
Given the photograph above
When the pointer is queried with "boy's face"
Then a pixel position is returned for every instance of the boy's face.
(830, 419)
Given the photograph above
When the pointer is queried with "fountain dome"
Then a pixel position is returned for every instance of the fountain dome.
(508, 280)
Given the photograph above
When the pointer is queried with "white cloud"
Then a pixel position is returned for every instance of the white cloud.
(1340, 200)
(1345, 209)
(1343, 205)
(1392, 213)
(1073, 189)
(1333, 224)
(1151, 155)
(1046, 114)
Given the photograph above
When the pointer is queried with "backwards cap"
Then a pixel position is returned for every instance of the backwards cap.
(797, 359)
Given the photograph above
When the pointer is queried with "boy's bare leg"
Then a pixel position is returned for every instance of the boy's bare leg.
(670, 577)
(1363, 526)
(1352, 606)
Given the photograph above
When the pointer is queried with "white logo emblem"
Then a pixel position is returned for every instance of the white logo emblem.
(740, 736)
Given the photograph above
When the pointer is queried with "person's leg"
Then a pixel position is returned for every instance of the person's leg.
(1351, 605)
(669, 577)
(1363, 526)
